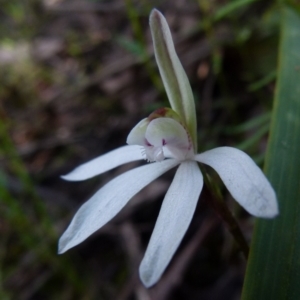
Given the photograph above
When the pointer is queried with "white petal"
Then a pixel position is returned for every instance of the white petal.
(108, 201)
(137, 134)
(244, 180)
(106, 162)
(174, 218)
(173, 75)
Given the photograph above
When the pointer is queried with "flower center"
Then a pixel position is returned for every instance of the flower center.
(162, 135)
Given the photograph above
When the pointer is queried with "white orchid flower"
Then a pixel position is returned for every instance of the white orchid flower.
(166, 133)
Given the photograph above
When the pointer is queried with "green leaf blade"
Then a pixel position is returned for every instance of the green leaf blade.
(273, 270)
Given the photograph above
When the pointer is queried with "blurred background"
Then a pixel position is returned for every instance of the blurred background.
(75, 77)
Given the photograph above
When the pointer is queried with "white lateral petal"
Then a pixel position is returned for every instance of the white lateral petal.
(105, 163)
(174, 218)
(137, 134)
(109, 200)
(244, 180)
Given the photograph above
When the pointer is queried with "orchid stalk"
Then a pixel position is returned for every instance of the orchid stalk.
(167, 139)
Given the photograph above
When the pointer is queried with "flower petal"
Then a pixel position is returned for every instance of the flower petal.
(137, 134)
(105, 162)
(244, 180)
(174, 218)
(173, 75)
(109, 200)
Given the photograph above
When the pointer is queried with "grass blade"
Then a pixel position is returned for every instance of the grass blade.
(274, 263)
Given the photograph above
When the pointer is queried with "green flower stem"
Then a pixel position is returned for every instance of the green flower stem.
(225, 214)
